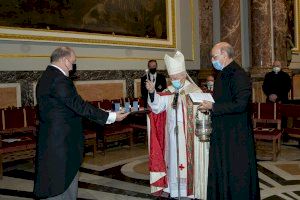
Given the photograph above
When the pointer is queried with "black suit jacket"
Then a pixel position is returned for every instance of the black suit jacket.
(279, 84)
(160, 85)
(60, 139)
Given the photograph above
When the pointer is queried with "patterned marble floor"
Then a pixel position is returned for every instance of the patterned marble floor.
(122, 174)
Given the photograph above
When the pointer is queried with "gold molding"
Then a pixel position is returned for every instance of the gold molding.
(84, 41)
(173, 24)
(297, 25)
(12, 33)
(193, 29)
(82, 57)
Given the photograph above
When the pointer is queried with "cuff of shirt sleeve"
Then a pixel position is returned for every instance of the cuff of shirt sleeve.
(111, 118)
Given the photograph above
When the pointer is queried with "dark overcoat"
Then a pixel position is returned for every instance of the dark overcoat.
(232, 162)
(60, 139)
(279, 84)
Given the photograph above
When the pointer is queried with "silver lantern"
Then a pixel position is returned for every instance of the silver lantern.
(203, 126)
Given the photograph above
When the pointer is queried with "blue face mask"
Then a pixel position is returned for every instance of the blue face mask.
(176, 84)
(217, 65)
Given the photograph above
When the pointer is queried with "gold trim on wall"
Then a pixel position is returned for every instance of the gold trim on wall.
(193, 29)
(28, 34)
(190, 58)
(297, 25)
(20, 56)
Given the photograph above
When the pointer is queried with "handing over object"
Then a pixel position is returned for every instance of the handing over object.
(205, 106)
(120, 115)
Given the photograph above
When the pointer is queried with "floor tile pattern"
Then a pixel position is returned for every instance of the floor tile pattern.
(122, 174)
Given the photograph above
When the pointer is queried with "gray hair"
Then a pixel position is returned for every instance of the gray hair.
(229, 50)
(59, 53)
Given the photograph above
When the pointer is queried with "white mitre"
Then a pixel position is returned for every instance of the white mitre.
(176, 64)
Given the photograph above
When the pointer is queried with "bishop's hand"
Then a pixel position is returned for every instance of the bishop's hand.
(150, 86)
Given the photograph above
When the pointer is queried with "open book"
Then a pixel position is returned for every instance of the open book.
(199, 97)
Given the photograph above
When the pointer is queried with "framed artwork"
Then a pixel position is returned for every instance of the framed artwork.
(94, 90)
(10, 95)
(147, 23)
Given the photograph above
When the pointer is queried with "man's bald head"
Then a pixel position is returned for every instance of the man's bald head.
(64, 58)
(224, 47)
(277, 63)
(222, 55)
(210, 78)
(60, 53)
(276, 66)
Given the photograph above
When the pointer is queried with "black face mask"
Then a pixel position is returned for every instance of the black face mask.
(73, 71)
(152, 71)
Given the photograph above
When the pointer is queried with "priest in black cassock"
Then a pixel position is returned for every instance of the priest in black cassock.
(232, 170)
(277, 84)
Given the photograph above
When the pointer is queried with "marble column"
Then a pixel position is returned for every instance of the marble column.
(206, 30)
(280, 30)
(231, 25)
(261, 33)
(268, 30)
(206, 37)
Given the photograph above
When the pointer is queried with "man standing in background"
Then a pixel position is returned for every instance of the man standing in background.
(158, 79)
(277, 84)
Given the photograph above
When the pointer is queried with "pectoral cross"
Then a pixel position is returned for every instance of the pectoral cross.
(181, 167)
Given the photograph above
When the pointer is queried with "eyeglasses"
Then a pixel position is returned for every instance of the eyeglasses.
(215, 56)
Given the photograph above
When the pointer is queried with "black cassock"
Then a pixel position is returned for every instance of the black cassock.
(232, 172)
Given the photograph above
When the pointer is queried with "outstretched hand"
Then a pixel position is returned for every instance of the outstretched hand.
(120, 115)
(273, 97)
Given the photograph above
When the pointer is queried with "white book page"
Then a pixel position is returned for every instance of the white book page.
(200, 97)
(10, 140)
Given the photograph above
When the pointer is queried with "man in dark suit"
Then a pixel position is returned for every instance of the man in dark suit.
(158, 79)
(277, 84)
(60, 139)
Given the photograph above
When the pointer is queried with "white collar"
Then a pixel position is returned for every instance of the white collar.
(152, 75)
(59, 69)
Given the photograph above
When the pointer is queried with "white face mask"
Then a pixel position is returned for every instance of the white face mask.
(276, 69)
(210, 85)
